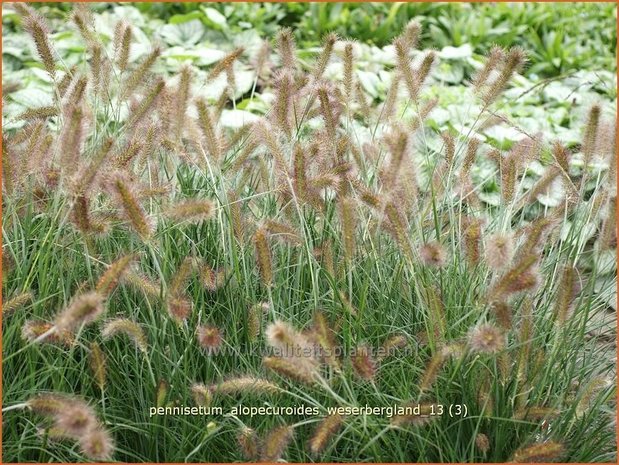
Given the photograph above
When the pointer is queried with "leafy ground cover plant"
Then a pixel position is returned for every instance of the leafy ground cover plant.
(164, 248)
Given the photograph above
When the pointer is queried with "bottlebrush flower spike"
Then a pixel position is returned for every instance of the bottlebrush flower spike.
(179, 308)
(134, 212)
(209, 338)
(325, 55)
(486, 338)
(33, 329)
(482, 443)
(84, 309)
(363, 363)
(125, 326)
(193, 210)
(499, 250)
(36, 27)
(542, 452)
(286, 48)
(513, 63)
(15, 303)
(76, 419)
(250, 445)
(97, 444)
(245, 385)
(209, 130)
(290, 368)
(202, 395)
(276, 442)
(138, 76)
(98, 365)
(433, 254)
(112, 276)
(263, 256)
(324, 432)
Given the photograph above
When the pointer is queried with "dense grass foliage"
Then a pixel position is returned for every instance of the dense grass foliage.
(269, 227)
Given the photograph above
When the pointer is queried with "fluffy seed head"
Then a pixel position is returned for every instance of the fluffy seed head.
(433, 254)
(209, 338)
(325, 430)
(98, 364)
(76, 419)
(97, 444)
(33, 329)
(245, 384)
(275, 443)
(192, 210)
(363, 363)
(110, 279)
(482, 443)
(249, 442)
(263, 256)
(486, 338)
(499, 250)
(130, 328)
(293, 369)
(202, 395)
(16, 302)
(540, 452)
(84, 309)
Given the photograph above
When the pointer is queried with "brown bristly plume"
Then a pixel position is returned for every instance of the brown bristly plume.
(286, 48)
(363, 363)
(324, 336)
(37, 113)
(201, 394)
(255, 315)
(512, 63)
(179, 307)
(399, 226)
(147, 103)
(209, 130)
(98, 365)
(412, 34)
(289, 368)
(37, 28)
(608, 234)
(525, 339)
(112, 276)
(325, 55)
(128, 327)
(499, 250)
(133, 211)
(590, 137)
(182, 100)
(33, 329)
(20, 300)
(565, 294)
(405, 69)
(504, 314)
(225, 63)
(486, 338)
(391, 344)
(87, 174)
(495, 58)
(391, 100)
(122, 44)
(263, 256)
(245, 385)
(541, 452)
(71, 139)
(324, 432)
(471, 236)
(148, 287)
(84, 309)
(138, 76)
(349, 79)
(348, 220)
(520, 276)
(326, 111)
(250, 444)
(275, 443)
(433, 254)
(194, 210)
(210, 338)
(283, 101)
